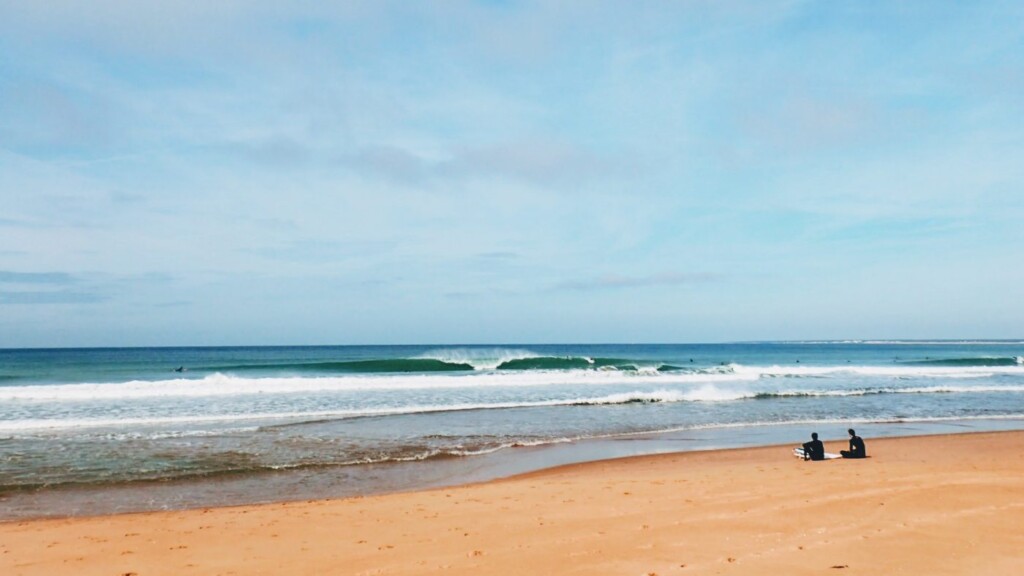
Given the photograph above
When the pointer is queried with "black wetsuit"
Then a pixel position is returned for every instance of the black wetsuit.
(856, 449)
(814, 450)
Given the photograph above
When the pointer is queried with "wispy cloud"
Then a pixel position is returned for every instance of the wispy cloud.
(391, 163)
(65, 288)
(498, 255)
(619, 281)
(61, 278)
(277, 151)
(54, 297)
(61, 288)
(52, 117)
(540, 161)
(15, 223)
(320, 251)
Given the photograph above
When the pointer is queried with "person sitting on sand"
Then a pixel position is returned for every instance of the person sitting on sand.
(856, 447)
(814, 450)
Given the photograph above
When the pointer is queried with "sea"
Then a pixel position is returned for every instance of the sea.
(96, 431)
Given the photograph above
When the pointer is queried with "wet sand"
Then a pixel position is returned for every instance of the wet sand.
(921, 505)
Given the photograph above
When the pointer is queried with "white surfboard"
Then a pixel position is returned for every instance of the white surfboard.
(799, 453)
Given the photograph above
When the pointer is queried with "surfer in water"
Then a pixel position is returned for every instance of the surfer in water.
(814, 450)
(856, 447)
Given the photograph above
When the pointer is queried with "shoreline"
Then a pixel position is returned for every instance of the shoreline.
(945, 504)
(232, 490)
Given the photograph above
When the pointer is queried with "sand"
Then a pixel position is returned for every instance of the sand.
(926, 505)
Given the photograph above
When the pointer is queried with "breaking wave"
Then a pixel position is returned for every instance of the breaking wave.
(517, 373)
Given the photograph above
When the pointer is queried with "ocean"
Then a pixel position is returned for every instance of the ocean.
(87, 431)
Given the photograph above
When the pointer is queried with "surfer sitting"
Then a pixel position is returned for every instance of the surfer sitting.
(814, 450)
(856, 447)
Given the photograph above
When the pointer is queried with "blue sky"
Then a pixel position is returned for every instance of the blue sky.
(494, 172)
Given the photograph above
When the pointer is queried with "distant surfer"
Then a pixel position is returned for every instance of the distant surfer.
(856, 447)
(814, 450)
(180, 369)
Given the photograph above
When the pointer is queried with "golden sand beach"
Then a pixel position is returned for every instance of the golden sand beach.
(921, 505)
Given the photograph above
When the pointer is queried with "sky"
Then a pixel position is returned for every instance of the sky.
(269, 172)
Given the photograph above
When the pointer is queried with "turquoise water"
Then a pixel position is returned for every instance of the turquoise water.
(121, 417)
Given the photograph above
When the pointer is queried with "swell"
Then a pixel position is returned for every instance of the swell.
(981, 361)
(428, 364)
(393, 365)
(456, 372)
(517, 374)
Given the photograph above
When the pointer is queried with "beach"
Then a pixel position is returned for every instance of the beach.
(947, 504)
(511, 288)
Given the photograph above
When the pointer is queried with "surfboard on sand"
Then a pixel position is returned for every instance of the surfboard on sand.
(799, 453)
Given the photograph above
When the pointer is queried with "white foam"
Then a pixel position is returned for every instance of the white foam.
(904, 390)
(883, 371)
(226, 385)
(478, 358)
(705, 393)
